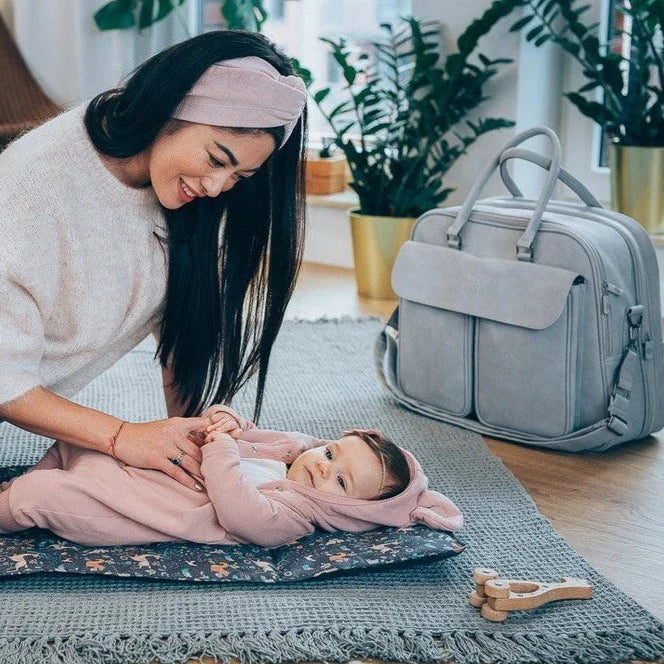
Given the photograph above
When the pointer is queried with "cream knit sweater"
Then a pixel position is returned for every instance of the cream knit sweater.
(82, 277)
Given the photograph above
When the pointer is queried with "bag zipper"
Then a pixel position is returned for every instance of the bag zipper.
(608, 290)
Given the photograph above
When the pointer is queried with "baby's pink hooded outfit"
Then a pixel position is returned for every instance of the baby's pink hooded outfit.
(93, 499)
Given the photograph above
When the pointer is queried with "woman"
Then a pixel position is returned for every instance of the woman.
(172, 205)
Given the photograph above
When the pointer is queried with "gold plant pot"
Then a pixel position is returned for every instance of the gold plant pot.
(637, 184)
(376, 241)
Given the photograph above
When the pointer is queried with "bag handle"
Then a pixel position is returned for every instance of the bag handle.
(524, 249)
(544, 162)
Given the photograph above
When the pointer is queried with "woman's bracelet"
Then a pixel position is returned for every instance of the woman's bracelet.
(114, 440)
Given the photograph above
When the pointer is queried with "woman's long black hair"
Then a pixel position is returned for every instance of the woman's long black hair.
(233, 259)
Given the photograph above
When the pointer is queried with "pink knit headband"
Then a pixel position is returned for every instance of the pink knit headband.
(244, 92)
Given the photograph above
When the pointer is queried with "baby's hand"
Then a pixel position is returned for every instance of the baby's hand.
(218, 437)
(224, 420)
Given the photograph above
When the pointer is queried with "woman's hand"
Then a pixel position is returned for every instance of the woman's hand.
(154, 444)
(224, 420)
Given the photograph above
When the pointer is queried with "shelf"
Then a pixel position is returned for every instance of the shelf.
(344, 200)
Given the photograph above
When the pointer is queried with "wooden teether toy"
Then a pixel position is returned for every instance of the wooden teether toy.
(480, 576)
(495, 597)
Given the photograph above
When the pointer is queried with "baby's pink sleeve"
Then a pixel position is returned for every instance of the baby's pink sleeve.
(240, 507)
(283, 446)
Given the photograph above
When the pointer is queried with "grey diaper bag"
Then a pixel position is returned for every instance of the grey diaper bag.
(535, 321)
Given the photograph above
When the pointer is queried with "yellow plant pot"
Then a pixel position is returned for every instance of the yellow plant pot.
(637, 184)
(376, 241)
(326, 176)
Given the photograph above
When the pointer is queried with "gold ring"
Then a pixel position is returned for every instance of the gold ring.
(176, 461)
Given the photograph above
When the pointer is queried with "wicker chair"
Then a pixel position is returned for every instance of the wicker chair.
(23, 105)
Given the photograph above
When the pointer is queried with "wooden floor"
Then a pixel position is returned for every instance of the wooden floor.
(609, 506)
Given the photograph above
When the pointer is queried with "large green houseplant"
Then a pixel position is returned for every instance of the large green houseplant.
(402, 132)
(630, 107)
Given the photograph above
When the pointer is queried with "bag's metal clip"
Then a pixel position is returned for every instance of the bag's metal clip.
(635, 320)
(635, 315)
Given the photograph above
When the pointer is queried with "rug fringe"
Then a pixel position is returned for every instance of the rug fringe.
(340, 645)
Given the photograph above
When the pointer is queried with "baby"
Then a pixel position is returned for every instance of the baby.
(261, 487)
(362, 464)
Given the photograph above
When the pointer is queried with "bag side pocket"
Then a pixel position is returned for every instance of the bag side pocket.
(528, 380)
(435, 356)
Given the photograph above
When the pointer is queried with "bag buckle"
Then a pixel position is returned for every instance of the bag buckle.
(617, 425)
(618, 405)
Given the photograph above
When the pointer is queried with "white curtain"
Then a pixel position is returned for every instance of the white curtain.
(73, 60)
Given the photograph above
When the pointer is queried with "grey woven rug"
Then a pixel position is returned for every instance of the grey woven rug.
(322, 380)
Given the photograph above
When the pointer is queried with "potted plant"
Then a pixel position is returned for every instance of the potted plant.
(326, 169)
(631, 108)
(401, 133)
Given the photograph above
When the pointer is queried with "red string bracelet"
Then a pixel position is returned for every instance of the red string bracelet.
(114, 440)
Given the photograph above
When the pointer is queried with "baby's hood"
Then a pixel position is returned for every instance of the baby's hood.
(416, 504)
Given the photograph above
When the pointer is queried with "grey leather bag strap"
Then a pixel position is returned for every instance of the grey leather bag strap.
(544, 162)
(524, 246)
(619, 403)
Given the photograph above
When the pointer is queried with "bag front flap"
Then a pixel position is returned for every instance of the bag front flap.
(513, 292)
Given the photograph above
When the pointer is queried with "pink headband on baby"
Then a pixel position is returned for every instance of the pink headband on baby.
(244, 92)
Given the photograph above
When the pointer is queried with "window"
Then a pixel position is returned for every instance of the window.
(296, 25)
(612, 27)
(617, 29)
